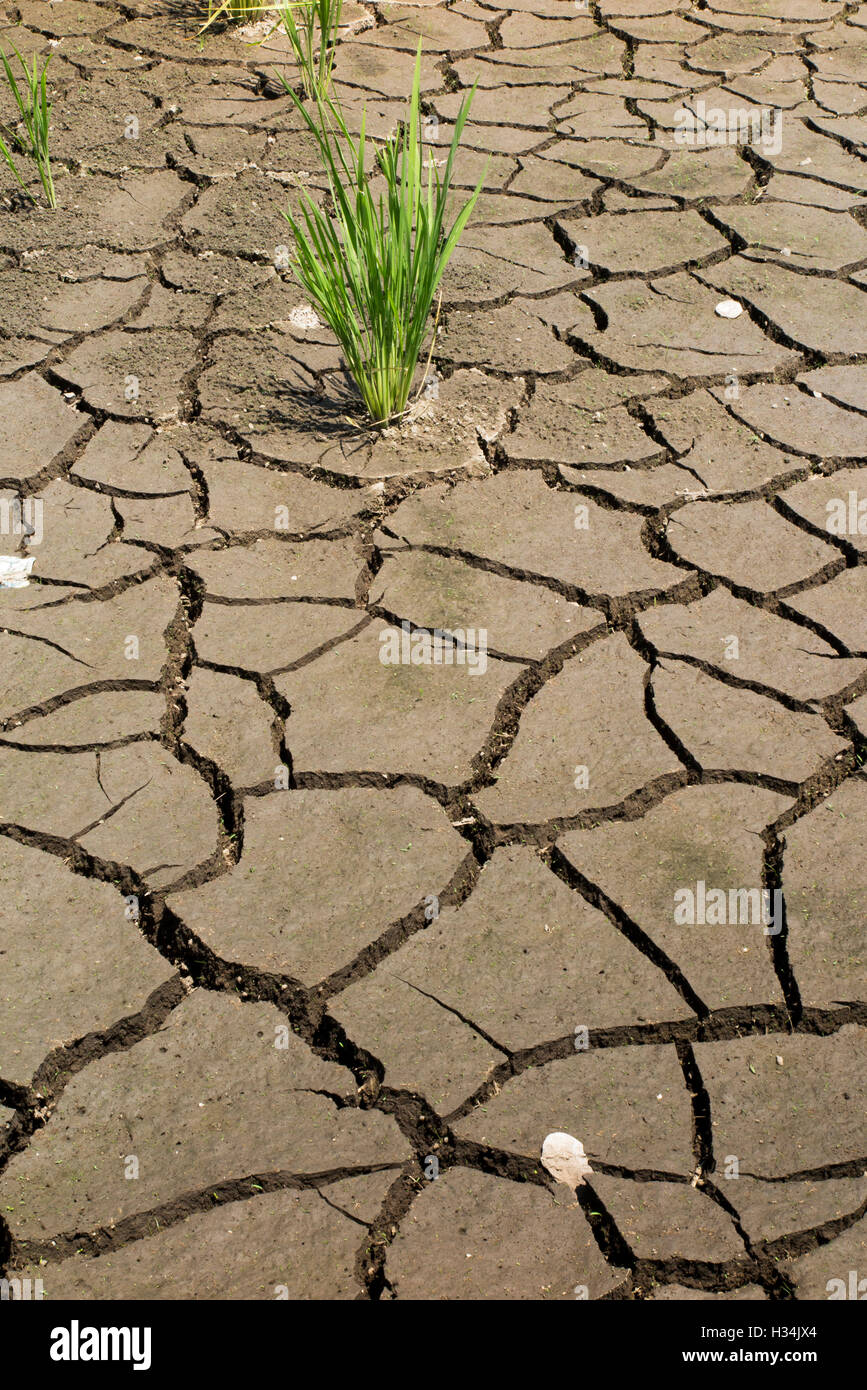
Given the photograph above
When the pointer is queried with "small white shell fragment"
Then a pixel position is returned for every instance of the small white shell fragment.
(14, 570)
(565, 1159)
(304, 317)
(729, 309)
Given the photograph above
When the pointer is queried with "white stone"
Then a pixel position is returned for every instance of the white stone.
(14, 570)
(565, 1159)
(303, 317)
(729, 309)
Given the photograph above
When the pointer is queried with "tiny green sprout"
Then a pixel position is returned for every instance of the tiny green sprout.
(314, 54)
(35, 115)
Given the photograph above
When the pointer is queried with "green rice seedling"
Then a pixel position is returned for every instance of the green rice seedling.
(313, 36)
(315, 57)
(244, 10)
(35, 116)
(373, 267)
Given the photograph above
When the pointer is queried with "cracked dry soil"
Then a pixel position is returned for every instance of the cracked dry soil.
(284, 929)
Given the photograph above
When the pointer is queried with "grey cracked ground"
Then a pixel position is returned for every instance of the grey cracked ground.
(304, 954)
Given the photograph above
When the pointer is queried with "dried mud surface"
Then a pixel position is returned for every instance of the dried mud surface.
(284, 929)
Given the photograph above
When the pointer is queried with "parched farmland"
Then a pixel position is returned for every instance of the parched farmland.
(432, 792)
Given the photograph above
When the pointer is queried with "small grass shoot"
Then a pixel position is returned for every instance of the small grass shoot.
(34, 109)
(314, 41)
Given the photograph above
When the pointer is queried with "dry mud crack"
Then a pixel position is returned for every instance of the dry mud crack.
(287, 904)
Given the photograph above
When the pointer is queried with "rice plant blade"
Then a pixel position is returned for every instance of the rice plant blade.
(42, 121)
(12, 165)
(10, 78)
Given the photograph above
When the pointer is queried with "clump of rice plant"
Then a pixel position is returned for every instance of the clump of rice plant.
(244, 10)
(313, 34)
(373, 267)
(315, 57)
(35, 116)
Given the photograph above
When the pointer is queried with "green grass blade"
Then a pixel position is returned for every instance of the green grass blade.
(12, 165)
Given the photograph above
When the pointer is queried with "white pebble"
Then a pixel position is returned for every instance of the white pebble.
(304, 317)
(565, 1159)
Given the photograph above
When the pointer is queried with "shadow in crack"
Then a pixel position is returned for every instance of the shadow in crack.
(331, 412)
